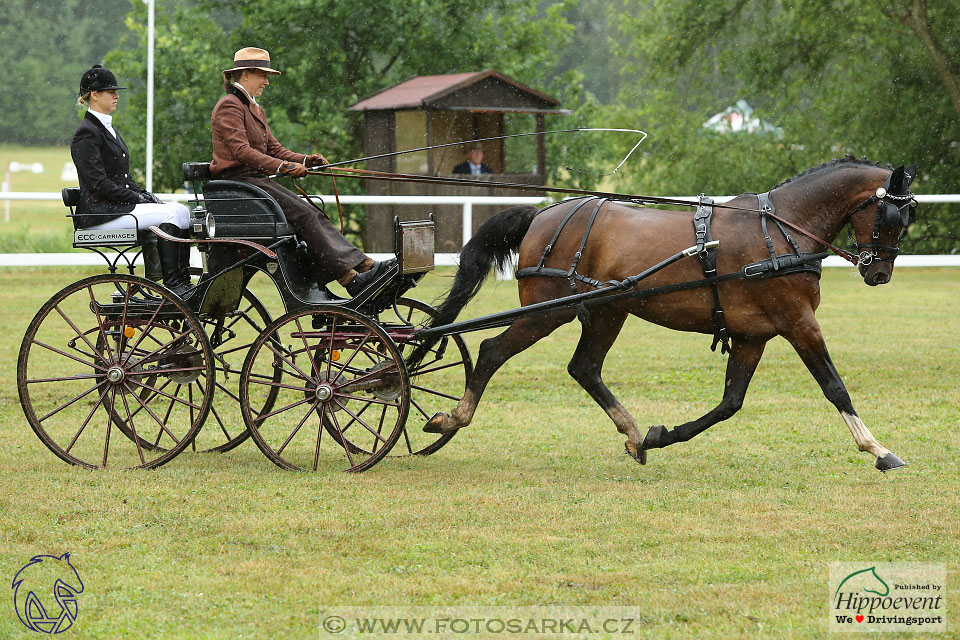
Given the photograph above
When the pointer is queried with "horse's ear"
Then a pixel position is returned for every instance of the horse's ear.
(910, 173)
(895, 180)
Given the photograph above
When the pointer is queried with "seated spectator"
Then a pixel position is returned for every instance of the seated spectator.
(474, 164)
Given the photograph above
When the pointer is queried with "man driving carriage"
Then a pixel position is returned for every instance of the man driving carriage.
(245, 149)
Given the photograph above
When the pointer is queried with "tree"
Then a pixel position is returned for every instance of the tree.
(46, 47)
(871, 78)
(188, 59)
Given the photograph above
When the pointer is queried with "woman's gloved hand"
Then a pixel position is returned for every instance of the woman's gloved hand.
(316, 160)
(293, 169)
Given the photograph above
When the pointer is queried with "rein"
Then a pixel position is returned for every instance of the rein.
(367, 174)
(336, 195)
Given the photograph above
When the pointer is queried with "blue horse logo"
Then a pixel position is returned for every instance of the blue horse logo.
(33, 580)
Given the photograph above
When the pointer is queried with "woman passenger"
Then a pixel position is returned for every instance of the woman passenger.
(108, 197)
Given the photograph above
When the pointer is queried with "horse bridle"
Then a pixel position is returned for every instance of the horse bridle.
(889, 215)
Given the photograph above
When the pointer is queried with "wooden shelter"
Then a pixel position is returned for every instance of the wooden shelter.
(431, 110)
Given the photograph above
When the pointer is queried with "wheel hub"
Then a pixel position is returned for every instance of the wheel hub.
(186, 357)
(115, 375)
(324, 393)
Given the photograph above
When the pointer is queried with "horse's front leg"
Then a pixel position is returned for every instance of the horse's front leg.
(807, 339)
(745, 354)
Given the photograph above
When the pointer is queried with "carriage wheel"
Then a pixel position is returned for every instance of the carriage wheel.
(439, 379)
(342, 373)
(115, 353)
(231, 341)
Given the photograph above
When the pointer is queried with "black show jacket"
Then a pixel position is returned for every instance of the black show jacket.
(103, 167)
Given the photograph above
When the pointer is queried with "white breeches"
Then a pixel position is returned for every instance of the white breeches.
(150, 214)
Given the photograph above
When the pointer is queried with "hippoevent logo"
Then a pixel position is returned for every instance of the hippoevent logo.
(45, 593)
(890, 596)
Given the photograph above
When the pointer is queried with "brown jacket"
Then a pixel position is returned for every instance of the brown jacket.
(241, 137)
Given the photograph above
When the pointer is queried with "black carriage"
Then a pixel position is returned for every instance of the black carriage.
(116, 370)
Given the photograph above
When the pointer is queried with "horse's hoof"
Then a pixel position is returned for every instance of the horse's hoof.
(655, 438)
(640, 455)
(889, 462)
(435, 424)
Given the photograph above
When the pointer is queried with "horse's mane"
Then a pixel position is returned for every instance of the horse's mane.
(847, 159)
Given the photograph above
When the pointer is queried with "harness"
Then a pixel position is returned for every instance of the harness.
(705, 250)
(889, 215)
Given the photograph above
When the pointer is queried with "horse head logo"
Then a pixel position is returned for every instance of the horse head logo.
(865, 580)
(33, 586)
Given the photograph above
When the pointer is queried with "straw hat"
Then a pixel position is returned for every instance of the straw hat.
(252, 58)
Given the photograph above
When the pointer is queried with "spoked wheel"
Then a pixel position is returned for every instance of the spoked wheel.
(344, 396)
(437, 381)
(231, 340)
(114, 370)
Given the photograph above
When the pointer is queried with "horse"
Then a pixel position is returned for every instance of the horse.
(624, 240)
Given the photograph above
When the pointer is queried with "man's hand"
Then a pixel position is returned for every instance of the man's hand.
(316, 160)
(293, 169)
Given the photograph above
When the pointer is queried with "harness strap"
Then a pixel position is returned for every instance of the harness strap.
(708, 263)
(563, 223)
(583, 243)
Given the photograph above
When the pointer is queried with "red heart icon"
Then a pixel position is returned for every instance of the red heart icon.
(859, 618)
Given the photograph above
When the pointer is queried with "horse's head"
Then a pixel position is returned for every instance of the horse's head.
(879, 222)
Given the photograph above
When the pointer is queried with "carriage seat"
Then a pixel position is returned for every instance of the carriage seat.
(241, 210)
(125, 237)
(244, 210)
(71, 196)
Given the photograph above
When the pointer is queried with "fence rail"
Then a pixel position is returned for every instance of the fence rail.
(442, 259)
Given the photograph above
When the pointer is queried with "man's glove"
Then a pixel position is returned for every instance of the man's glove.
(316, 160)
(293, 169)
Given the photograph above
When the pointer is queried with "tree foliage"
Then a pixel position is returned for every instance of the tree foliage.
(332, 54)
(46, 47)
(839, 76)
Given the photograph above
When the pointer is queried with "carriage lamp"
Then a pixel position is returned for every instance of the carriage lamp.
(202, 223)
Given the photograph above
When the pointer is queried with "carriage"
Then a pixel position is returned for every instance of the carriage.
(116, 369)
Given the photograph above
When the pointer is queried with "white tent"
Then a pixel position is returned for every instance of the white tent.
(740, 117)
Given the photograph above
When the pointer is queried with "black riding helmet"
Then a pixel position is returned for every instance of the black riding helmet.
(98, 79)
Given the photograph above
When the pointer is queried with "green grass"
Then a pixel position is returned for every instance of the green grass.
(36, 226)
(729, 535)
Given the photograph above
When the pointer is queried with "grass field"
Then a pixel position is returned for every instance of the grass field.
(36, 226)
(729, 535)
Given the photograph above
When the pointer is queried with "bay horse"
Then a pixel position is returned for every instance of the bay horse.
(625, 240)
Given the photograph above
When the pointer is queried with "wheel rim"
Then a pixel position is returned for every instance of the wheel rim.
(107, 378)
(329, 412)
(438, 381)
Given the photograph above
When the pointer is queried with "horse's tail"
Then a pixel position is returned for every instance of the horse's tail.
(491, 245)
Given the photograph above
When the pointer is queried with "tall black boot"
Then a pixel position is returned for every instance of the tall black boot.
(175, 261)
(151, 259)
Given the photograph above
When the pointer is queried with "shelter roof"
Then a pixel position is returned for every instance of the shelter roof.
(477, 91)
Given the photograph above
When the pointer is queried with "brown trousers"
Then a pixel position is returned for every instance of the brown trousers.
(333, 253)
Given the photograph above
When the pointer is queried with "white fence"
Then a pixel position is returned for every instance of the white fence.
(442, 259)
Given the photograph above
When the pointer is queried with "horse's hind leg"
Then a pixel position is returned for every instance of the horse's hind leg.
(596, 338)
(809, 343)
(524, 332)
(745, 354)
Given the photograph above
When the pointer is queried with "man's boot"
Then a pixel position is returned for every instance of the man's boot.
(175, 261)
